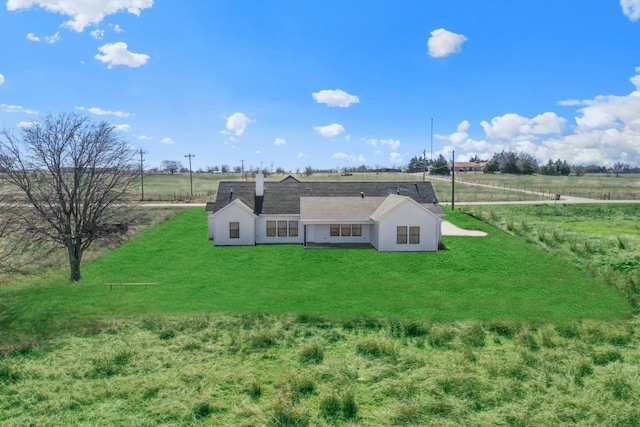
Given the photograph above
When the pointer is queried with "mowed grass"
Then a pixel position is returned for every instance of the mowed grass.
(497, 277)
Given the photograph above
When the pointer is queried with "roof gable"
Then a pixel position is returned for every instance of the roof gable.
(338, 208)
(237, 203)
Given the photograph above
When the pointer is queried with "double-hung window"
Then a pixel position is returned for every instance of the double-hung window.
(345, 230)
(282, 228)
(401, 237)
(234, 230)
(271, 228)
(414, 235)
(334, 229)
(356, 230)
(293, 228)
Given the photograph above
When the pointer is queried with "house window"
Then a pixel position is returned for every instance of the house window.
(234, 230)
(282, 228)
(271, 228)
(293, 228)
(334, 229)
(345, 230)
(414, 235)
(356, 229)
(402, 235)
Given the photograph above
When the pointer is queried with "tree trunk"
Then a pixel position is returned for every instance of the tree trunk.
(75, 256)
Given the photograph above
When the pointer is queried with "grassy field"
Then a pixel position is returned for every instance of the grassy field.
(592, 186)
(601, 239)
(278, 370)
(492, 278)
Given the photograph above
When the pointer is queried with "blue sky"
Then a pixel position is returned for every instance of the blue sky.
(332, 83)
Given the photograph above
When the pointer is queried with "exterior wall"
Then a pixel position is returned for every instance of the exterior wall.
(375, 231)
(233, 213)
(408, 214)
(261, 229)
(321, 233)
(210, 222)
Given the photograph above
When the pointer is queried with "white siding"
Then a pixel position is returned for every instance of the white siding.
(234, 213)
(261, 229)
(210, 222)
(410, 215)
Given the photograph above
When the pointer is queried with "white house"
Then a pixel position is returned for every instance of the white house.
(390, 216)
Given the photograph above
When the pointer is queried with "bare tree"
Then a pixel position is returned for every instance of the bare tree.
(171, 166)
(74, 176)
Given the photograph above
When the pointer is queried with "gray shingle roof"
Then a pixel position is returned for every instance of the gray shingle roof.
(282, 198)
(338, 208)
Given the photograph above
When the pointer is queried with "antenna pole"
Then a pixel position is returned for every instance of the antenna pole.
(190, 174)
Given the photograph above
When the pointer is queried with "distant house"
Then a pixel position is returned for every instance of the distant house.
(468, 166)
(390, 216)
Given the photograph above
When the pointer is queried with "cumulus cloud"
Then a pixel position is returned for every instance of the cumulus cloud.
(392, 144)
(280, 141)
(145, 137)
(82, 12)
(27, 124)
(631, 8)
(443, 43)
(606, 130)
(122, 128)
(1, 79)
(53, 39)
(513, 125)
(329, 131)
(8, 108)
(97, 34)
(100, 112)
(352, 158)
(335, 98)
(236, 123)
(116, 28)
(32, 37)
(117, 54)
(167, 141)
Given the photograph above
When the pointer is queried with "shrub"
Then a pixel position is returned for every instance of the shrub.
(349, 406)
(296, 386)
(312, 354)
(414, 329)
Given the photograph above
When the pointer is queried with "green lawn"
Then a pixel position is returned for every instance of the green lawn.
(495, 277)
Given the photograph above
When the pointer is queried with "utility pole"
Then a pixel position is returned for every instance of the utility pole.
(242, 169)
(432, 139)
(424, 164)
(453, 179)
(142, 174)
(190, 173)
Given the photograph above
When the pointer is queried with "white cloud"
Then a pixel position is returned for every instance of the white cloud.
(83, 12)
(97, 34)
(300, 155)
(53, 39)
(335, 98)
(116, 28)
(117, 54)
(27, 124)
(513, 125)
(145, 137)
(32, 37)
(8, 108)
(237, 123)
(100, 112)
(280, 141)
(631, 8)
(349, 157)
(258, 152)
(443, 43)
(329, 131)
(395, 158)
(122, 128)
(570, 102)
(1, 79)
(167, 141)
(392, 144)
